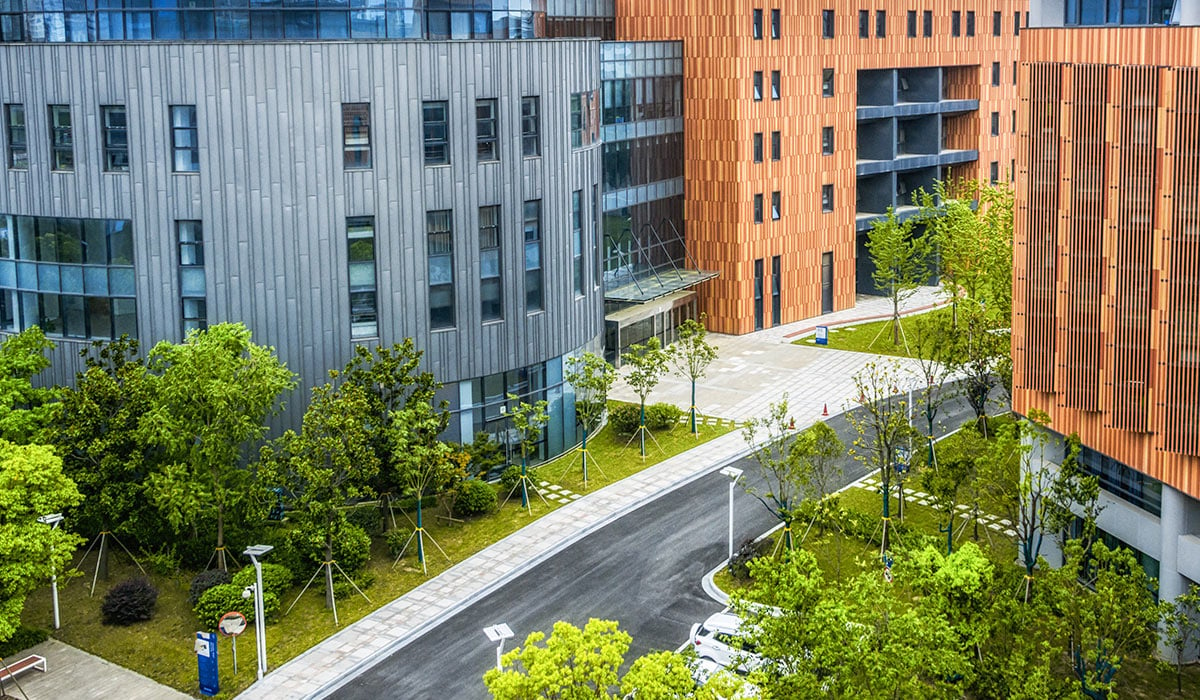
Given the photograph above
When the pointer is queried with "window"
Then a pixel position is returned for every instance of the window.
(776, 291)
(826, 198)
(776, 20)
(995, 73)
(827, 27)
(1014, 121)
(776, 145)
(62, 148)
(1012, 170)
(775, 89)
(439, 241)
(531, 141)
(360, 251)
(758, 294)
(758, 86)
(994, 172)
(926, 23)
(114, 138)
(491, 283)
(577, 238)
(758, 147)
(193, 291)
(758, 208)
(956, 23)
(970, 22)
(776, 206)
(585, 127)
(997, 20)
(995, 123)
(14, 128)
(437, 136)
(912, 24)
(1014, 72)
(880, 24)
(533, 256)
(185, 141)
(1016, 24)
(486, 147)
(356, 136)
(864, 24)
(827, 140)
(826, 82)
(757, 23)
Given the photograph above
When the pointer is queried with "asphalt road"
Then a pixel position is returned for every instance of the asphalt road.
(643, 570)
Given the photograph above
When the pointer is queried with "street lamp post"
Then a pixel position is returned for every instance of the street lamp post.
(53, 520)
(497, 634)
(734, 474)
(256, 551)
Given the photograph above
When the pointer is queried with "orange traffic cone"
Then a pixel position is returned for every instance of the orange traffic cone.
(825, 411)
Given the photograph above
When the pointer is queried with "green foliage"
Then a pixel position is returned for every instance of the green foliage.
(369, 517)
(129, 601)
(22, 639)
(304, 548)
(663, 675)
(227, 597)
(277, 578)
(31, 485)
(206, 580)
(1181, 629)
(485, 454)
(625, 418)
(397, 539)
(475, 497)
(25, 410)
(421, 462)
(662, 416)
(164, 561)
(342, 589)
(509, 478)
(691, 355)
(739, 566)
(592, 377)
(572, 664)
(528, 420)
(648, 364)
(900, 259)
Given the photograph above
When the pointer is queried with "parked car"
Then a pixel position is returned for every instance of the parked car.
(722, 639)
(728, 684)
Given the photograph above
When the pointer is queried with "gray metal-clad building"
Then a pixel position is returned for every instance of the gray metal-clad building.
(324, 193)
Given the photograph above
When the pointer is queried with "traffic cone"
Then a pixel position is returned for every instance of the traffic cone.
(825, 411)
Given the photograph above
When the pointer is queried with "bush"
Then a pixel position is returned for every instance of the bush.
(739, 566)
(129, 601)
(305, 548)
(227, 597)
(22, 639)
(625, 418)
(662, 416)
(277, 578)
(369, 518)
(342, 588)
(509, 478)
(475, 497)
(164, 562)
(396, 539)
(204, 581)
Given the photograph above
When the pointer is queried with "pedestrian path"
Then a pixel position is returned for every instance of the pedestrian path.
(992, 522)
(75, 674)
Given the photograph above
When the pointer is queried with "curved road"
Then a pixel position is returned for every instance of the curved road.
(643, 570)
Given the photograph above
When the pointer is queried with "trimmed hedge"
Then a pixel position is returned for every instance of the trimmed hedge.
(475, 497)
(277, 578)
(227, 597)
(626, 418)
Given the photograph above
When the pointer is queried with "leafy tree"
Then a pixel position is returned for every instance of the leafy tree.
(422, 460)
(327, 464)
(573, 664)
(662, 675)
(881, 423)
(790, 467)
(932, 347)
(592, 377)
(981, 342)
(213, 394)
(103, 451)
(648, 364)
(944, 477)
(1181, 629)
(25, 410)
(32, 484)
(901, 261)
(528, 420)
(691, 355)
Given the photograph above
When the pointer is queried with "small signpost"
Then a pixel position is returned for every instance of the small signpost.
(231, 625)
(822, 335)
(206, 655)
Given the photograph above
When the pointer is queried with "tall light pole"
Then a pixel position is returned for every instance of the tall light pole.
(53, 520)
(734, 474)
(260, 632)
(497, 634)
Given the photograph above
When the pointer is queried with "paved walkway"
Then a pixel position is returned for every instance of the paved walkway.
(75, 674)
(825, 379)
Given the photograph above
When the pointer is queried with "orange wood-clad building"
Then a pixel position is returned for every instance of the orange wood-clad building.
(867, 101)
(1106, 308)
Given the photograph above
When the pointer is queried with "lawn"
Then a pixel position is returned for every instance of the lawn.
(162, 647)
(874, 337)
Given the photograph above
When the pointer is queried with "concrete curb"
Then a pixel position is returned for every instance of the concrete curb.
(866, 319)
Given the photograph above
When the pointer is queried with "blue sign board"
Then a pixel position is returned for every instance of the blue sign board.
(822, 335)
(206, 655)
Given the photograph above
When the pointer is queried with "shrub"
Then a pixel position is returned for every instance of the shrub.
(277, 578)
(662, 416)
(129, 601)
(369, 518)
(475, 497)
(227, 597)
(396, 539)
(164, 562)
(509, 478)
(342, 588)
(739, 566)
(22, 639)
(204, 581)
(305, 548)
(625, 418)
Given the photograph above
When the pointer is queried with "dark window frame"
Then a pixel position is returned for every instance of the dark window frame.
(911, 21)
(182, 132)
(62, 139)
(776, 145)
(880, 24)
(776, 85)
(535, 296)
(826, 198)
(531, 127)
(487, 131)
(491, 282)
(756, 23)
(828, 24)
(193, 308)
(114, 139)
(356, 135)
(956, 23)
(776, 24)
(827, 140)
(758, 208)
(864, 24)
(776, 205)
(926, 24)
(828, 89)
(18, 149)
(439, 247)
(435, 132)
(756, 147)
(757, 85)
(970, 23)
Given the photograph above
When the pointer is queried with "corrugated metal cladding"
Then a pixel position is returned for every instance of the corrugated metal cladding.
(273, 195)
(580, 8)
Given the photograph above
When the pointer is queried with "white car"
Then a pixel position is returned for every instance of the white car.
(721, 681)
(722, 639)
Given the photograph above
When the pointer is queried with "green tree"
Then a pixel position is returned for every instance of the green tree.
(691, 355)
(25, 410)
(1181, 630)
(32, 484)
(422, 460)
(648, 364)
(528, 420)
(573, 664)
(327, 464)
(881, 424)
(592, 378)
(663, 675)
(901, 260)
(932, 348)
(944, 477)
(213, 394)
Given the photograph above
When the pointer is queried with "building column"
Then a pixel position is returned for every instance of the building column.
(1172, 523)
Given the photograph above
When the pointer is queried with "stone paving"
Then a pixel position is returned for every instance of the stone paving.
(753, 371)
(994, 523)
(75, 674)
